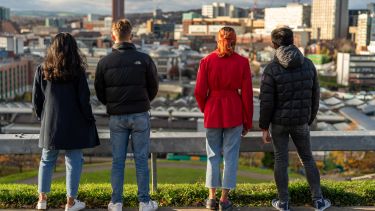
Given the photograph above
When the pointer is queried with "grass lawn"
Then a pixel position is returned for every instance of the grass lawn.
(165, 176)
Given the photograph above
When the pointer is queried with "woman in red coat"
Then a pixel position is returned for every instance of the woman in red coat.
(225, 96)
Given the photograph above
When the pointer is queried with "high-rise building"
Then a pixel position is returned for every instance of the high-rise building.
(362, 38)
(4, 13)
(355, 70)
(118, 10)
(329, 19)
(217, 9)
(293, 15)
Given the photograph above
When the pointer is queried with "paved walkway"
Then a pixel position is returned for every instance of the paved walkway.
(237, 209)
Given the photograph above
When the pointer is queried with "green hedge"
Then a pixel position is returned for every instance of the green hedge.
(98, 195)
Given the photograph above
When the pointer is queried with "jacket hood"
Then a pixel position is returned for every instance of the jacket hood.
(289, 56)
(123, 46)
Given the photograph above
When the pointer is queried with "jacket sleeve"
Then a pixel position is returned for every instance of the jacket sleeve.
(315, 96)
(84, 98)
(38, 95)
(100, 84)
(267, 99)
(247, 98)
(201, 86)
(152, 80)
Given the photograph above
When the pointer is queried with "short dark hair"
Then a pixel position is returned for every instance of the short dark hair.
(282, 36)
(122, 28)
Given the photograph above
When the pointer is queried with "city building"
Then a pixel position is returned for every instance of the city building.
(15, 77)
(12, 43)
(158, 13)
(160, 29)
(178, 31)
(371, 8)
(362, 38)
(355, 70)
(55, 22)
(4, 14)
(210, 26)
(329, 19)
(294, 15)
(92, 17)
(118, 10)
(217, 9)
(353, 16)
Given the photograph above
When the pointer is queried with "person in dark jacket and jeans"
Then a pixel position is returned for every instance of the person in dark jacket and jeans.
(289, 101)
(61, 99)
(126, 81)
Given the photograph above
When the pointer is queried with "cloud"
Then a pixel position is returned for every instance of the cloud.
(133, 6)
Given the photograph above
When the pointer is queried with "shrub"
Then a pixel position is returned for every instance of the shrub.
(357, 193)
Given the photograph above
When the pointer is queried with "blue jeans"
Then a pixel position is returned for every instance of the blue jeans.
(73, 163)
(138, 127)
(226, 141)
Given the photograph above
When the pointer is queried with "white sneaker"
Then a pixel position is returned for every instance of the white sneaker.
(114, 207)
(148, 206)
(78, 205)
(42, 205)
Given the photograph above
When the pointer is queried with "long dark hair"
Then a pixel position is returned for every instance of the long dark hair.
(64, 60)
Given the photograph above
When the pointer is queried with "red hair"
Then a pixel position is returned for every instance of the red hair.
(226, 41)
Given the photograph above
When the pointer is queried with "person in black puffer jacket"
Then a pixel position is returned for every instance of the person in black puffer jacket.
(289, 101)
(126, 81)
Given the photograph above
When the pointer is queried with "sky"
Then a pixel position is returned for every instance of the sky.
(135, 6)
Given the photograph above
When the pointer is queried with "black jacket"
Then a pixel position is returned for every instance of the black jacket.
(126, 80)
(65, 111)
(289, 92)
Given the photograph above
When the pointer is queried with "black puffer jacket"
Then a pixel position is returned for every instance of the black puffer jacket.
(289, 92)
(126, 80)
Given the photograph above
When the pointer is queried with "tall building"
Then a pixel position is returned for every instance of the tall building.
(54, 22)
(217, 9)
(11, 43)
(118, 10)
(293, 15)
(4, 13)
(15, 77)
(355, 70)
(362, 38)
(329, 19)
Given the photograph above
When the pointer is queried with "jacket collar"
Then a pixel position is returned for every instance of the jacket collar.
(123, 46)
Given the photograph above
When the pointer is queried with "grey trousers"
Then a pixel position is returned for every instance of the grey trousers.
(301, 137)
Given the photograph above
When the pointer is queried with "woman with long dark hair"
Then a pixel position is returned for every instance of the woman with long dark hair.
(61, 99)
(224, 93)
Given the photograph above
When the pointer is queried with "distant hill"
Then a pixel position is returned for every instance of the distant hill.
(36, 13)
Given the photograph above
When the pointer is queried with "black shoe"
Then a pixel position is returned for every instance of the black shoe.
(227, 206)
(211, 204)
(282, 206)
(321, 204)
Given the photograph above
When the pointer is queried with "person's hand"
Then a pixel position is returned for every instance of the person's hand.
(244, 131)
(266, 137)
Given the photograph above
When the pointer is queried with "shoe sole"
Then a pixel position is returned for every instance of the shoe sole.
(211, 208)
(228, 209)
(279, 208)
(41, 207)
(324, 208)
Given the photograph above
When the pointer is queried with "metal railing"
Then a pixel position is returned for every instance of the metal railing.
(194, 142)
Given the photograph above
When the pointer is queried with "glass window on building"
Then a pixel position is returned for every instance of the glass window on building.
(6, 83)
(1, 85)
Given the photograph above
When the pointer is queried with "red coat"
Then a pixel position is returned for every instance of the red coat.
(224, 91)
